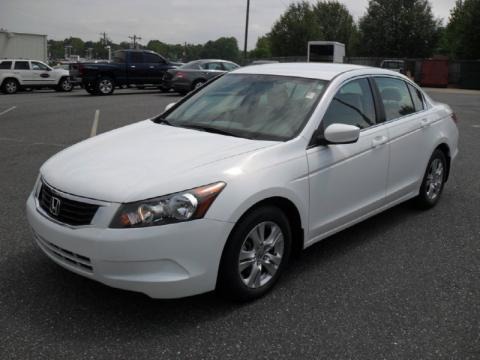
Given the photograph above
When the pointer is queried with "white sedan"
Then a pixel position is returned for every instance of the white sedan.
(223, 187)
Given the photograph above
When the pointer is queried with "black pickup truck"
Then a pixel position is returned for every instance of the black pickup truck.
(128, 67)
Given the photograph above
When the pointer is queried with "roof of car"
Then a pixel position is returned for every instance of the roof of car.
(323, 71)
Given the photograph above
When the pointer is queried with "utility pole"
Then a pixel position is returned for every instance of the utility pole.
(135, 38)
(246, 33)
(104, 38)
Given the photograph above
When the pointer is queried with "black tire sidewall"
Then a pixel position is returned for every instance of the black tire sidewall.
(229, 282)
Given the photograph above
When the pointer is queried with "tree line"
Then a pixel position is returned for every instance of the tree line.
(389, 28)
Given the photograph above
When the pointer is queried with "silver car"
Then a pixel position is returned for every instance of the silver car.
(195, 73)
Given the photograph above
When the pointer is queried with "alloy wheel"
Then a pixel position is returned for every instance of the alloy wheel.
(261, 254)
(435, 178)
(105, 86)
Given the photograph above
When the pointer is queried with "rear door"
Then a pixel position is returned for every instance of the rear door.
(348, 181)
(406, 118)
(156, 67)
(41, 74)
(212, 69)
(21, 68)
(137, 69)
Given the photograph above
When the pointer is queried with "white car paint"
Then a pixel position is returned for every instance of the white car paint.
(34, 76)
(332, 187)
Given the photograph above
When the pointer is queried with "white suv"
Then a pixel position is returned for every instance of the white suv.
(21, 73)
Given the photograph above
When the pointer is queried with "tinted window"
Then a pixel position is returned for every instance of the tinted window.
(395, 97)
(5, 65)
(417, 98)
(119, 57)
(21, 65)
(229, 66)
(212, 66)
(152, 58)
(352, 105)
(136, 57)
(39, 66)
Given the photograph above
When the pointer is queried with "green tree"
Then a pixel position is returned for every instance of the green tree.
(222, 48)
(335, 23)
(393, 28)
(290, 34)
(262, 49)
(462, 35)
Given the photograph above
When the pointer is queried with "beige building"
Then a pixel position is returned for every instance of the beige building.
(21, 45)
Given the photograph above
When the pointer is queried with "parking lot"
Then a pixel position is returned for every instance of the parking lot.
(402, 285)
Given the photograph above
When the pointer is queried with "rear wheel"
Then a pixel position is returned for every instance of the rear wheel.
(10, 86)
(198, 84)
(105, 86)
(433, 181)
(255, 255)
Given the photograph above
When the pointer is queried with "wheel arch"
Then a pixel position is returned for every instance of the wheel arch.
(10, 77)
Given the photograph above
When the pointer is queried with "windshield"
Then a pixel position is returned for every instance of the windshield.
(264, 107)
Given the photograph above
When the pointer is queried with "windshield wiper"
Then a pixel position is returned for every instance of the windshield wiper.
(210, 129)
(163, 121)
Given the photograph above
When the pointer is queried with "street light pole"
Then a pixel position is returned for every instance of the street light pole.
(246, 32)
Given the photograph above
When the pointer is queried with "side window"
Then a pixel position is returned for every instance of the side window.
(352, 105)
(136, 57)
(417, 98)
(153, 58)
(22, 65)
(119, 57)
(5, 65)
(229, 66)
(39, 66)
(395, 97)
(212, 66)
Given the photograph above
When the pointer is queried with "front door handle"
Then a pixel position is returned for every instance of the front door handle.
(379, 141)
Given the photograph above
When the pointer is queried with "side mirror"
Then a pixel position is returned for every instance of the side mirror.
(169, 106)
(341, 134)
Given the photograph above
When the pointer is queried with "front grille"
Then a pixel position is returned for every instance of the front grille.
(65, 256)
(65, 210)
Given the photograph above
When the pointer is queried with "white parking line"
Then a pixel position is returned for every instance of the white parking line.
(8, 110)
(22, 141)
(93, 132)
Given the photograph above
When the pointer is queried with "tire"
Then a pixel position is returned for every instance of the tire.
(433, 181)
(247, 268)
(163, 90)
(198, 84)
(64, 85)
(10, 86)
(104, 86)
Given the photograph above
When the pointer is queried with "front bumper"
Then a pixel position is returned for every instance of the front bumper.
(169, 261)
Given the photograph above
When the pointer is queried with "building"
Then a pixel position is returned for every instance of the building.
(21, 45)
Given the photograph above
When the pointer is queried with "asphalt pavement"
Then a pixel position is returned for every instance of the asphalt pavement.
(402, 285)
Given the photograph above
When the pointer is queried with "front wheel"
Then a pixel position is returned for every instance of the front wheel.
(433, 181)
(255, 255)
(105, 86)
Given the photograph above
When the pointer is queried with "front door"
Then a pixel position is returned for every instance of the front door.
(348, 181)
(41, 74)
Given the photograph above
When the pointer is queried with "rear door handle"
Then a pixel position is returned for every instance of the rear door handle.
(152, 67)
(132, 66)
(379, 141)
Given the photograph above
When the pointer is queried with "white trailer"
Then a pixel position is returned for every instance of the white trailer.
(325, 51)
(23, 46)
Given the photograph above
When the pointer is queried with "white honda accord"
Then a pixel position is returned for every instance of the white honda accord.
(223, 187)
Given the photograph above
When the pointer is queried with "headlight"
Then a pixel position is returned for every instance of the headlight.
(182, 206)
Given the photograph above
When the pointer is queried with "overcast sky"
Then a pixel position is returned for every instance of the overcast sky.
(171, 21)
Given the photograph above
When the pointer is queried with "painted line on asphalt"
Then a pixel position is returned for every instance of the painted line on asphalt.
(93, 132)
(21, 141)
(8, 110)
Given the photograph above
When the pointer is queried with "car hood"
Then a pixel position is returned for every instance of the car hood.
(141, 161)
(62, 72)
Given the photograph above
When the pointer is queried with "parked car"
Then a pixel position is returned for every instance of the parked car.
(257, 164)
(394, 65)
(195, 73)
(129, 67)
(18, 74)
(264, 62)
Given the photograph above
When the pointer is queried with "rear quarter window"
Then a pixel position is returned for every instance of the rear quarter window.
(417, 98)
(5, 65)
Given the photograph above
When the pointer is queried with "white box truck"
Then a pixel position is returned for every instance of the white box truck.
(325, 51)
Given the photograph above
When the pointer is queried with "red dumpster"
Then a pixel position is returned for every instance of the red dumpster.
(434, 73)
